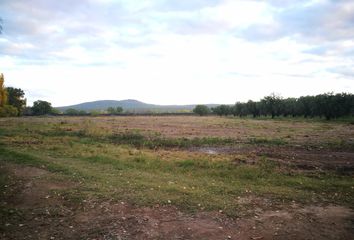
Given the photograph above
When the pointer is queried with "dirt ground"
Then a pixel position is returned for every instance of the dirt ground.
(46, 214)
(36, 206)
(295, 158)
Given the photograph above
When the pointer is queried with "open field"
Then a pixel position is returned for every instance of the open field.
(175, 177)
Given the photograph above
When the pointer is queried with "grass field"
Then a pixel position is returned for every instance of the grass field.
(175, 177)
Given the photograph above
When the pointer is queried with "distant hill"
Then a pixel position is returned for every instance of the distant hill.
(129, 105)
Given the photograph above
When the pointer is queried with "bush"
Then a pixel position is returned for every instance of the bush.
(201, 110)
(8, 111)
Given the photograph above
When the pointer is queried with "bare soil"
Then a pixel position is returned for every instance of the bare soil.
(44, 213)
(297, 158)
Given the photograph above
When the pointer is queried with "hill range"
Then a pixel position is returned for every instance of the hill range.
(130, 105)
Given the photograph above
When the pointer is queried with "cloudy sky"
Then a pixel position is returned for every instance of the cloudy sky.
(176, 52)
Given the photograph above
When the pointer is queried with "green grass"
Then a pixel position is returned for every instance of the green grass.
(188, 184)
(123, 167)
(266, 141)
(139, 140)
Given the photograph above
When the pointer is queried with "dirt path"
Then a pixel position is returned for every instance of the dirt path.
(38, 210)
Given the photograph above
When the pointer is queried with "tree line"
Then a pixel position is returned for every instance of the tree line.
(328, 105)
(110, 111)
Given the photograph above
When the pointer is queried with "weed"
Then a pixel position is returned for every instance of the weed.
(266, 141)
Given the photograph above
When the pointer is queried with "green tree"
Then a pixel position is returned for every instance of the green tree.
(111, 110)
(272, 104)
(222, 110)
(119, 110)
(288, 107)
(201, 110)
(240, 109)
(252, 108)
(8, 111)
(16, 98)
(115, 111)
(82, 112)
(72, 112)
(41, 107)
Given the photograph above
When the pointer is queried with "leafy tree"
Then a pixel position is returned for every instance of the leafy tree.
(288, 107)
(222, 110)
(252, 108)
(201, 110)
(309, 106)
(41, 107)
(16, 98)
(272, 104)
(240, 109)
(115, 111)
(217, 110)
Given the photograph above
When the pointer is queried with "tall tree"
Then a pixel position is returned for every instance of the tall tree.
(5, 109)
(16, 98)
(252, 108)
(3, 93)
(272, 104)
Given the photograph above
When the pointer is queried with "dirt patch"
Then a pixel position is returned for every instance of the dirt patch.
(300, 158)
(127, 222)
(45, 214)
(115, 221)
(310, 222)
(39, 193)
(34, 187)
(313, 159)
(28, 172)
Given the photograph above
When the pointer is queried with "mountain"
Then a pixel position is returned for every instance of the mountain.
(130, 105)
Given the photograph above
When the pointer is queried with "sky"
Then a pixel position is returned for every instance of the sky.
(176, 52)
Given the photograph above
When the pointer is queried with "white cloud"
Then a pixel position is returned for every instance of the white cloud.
(168, 52)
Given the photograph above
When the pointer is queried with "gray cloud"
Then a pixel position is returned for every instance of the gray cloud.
(344, 71)
(37, 30)
(326, 21)
(53, 26)
(331, 49)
